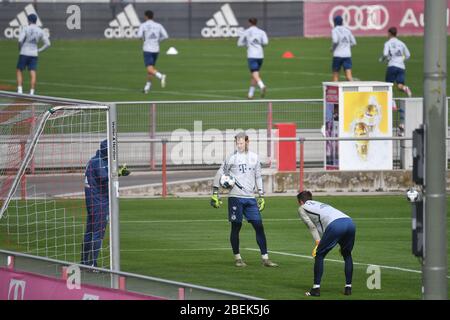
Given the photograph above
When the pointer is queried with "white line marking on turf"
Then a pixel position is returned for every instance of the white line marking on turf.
(174, 249)
(222, 220)
(341, 261)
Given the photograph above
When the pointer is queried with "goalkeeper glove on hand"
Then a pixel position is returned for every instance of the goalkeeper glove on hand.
(315, 248)
(261, 203)
(215, 200)
(123, 171)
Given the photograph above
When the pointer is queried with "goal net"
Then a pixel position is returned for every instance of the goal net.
(53, 202)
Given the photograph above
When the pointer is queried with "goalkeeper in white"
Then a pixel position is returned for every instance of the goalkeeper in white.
(335, 227)
(245, 167)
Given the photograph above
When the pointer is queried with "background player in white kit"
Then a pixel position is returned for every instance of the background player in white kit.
(328, 227)
(245, 167)
(152, 33)
(254, 39)
(342, 41)
(396, 52)
(29, 38)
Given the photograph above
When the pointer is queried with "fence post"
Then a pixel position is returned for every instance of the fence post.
(122, 283)
(152, 136)
(33, 125)
(181, 295)
(10, 262)
(269, 133)
(23, 178)
(164, 167)
(301, 169)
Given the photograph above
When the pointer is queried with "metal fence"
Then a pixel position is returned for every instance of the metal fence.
(130, 282)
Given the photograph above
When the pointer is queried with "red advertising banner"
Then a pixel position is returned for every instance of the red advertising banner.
(28, 286)
(366, 18)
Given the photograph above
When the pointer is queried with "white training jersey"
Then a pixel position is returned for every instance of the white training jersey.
(152, 33)
(396, 53)
(321, 214)
(343, 40)
(254, 39)
(246, 169)
(29, 39)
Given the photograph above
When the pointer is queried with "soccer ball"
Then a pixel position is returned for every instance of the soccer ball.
(413, 195)
(227, 181)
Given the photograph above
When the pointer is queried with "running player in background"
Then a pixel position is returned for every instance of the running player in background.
(396, 52)
(29, 39)
(342, 41)
(328, 227)
(245, 167)
(254, 39)
(152, 33)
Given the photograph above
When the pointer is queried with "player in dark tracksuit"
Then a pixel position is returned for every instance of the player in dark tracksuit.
(97, 203)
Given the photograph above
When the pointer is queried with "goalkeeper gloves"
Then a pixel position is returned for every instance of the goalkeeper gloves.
(261, 203)
(215, 200)
(123, 171)
(315, 248)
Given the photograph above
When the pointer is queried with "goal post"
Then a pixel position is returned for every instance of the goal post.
(49, 214)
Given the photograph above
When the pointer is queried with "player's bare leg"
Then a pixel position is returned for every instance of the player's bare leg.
(256, 77)
(348, 75)
(32, 81)
(405, 89)
(152, 71)
(251, 90)
(19, 77)
(335, 76)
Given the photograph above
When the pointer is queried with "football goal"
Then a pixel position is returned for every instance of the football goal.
(59, 183)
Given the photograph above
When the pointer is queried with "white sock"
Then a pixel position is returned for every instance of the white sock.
(315, 286)
(237, 256)
(19, 89)
(31, 91)
(251, 92)
(265, 256)
(147, 85)
(158, 75)
(261, 84)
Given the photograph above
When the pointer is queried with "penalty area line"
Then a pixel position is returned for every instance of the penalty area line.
(341, 261)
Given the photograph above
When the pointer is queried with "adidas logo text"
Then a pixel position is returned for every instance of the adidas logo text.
(222, 25)
(125, 25)
(21, 21)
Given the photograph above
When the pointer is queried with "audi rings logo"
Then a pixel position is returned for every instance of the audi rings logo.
(366, 17)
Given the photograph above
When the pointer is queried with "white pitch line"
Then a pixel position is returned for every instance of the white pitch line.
(222, 220)
(174, 249)
(341, 261)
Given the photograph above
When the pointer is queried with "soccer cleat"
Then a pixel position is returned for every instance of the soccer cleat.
(314, 292)
(263, 91)
(240, 263)
(163, 81)
(268, 263)
(408, 91)
(249, 97)
(146, 90)
(348, 291)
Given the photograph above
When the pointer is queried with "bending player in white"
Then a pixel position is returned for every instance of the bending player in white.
(335, 227)
(152, 33)
(245, 167)
(342, 42)
(254, 39)
(29, 38)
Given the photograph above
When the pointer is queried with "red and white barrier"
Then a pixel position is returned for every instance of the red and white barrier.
(28, 286)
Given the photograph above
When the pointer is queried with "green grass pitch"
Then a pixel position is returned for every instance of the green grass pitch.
(184, 239)
(113, 70)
